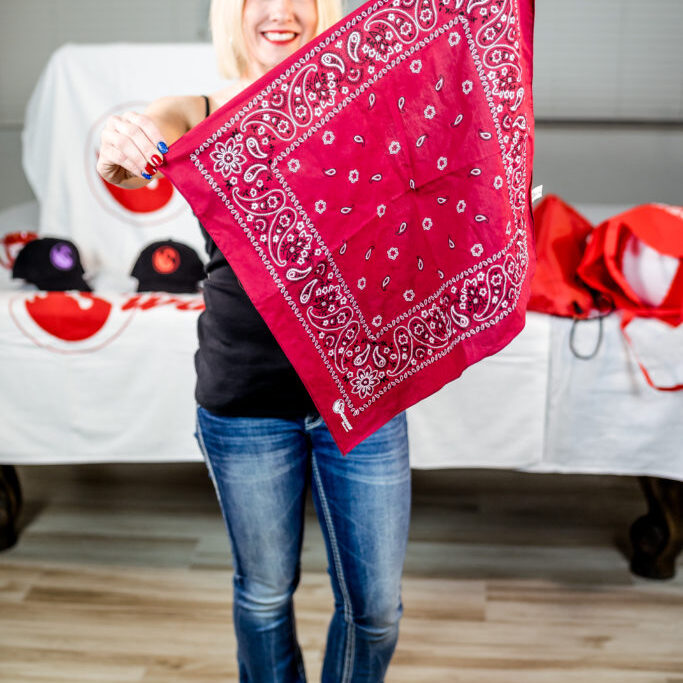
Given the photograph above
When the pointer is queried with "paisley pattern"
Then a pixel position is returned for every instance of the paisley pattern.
(381, 177)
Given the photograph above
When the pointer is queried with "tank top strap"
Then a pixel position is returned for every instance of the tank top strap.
(206, 106)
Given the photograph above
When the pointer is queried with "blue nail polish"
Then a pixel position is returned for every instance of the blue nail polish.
(146, 175)
(162, 147)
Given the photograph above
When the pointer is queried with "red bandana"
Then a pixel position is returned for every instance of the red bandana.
(372, 195)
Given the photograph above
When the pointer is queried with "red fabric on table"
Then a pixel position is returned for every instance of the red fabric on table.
(372, 195)
(560, 237)
(658, 226)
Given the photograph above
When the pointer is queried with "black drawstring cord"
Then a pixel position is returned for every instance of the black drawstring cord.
(603, 311)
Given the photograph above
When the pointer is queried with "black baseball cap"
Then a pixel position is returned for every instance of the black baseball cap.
(52, 264)
(168, 266)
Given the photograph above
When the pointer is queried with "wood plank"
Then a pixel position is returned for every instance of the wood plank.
(123, 573)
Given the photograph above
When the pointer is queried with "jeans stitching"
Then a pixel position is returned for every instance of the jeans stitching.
(310, 426)
(348, 613)
(212, 474)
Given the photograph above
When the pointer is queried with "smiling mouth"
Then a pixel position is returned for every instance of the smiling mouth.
(280, 37)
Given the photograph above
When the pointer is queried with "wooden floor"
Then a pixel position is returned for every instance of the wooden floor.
(122, 574)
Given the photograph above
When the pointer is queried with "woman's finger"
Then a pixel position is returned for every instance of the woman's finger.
(130, 144)
(124, 141)
(125, 156)
(133, 142)
(153, 135)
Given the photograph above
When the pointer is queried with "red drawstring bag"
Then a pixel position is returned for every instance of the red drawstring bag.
(635, 259)
(561, 234)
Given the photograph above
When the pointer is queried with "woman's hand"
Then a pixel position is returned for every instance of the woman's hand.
(131, 150)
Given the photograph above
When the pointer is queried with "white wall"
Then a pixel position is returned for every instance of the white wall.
(608, 85)
(609, 59)
(608, 90)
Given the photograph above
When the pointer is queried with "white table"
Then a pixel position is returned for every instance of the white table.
(125, 393)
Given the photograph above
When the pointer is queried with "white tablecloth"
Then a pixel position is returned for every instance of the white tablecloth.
(536, 407)
(125, 392)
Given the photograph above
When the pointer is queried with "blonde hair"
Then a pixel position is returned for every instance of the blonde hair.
(226, 31)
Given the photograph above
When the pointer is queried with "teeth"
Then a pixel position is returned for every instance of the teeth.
(279, 36)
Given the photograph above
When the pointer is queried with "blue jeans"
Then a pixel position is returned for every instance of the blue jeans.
(261, 468)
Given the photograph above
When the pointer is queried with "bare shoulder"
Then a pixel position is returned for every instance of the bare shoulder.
(225, 94)
(175, 115)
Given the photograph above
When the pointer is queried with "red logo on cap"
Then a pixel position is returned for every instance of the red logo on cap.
(165, 260)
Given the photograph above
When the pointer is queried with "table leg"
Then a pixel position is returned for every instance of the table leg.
(657, 537)
(10, 505)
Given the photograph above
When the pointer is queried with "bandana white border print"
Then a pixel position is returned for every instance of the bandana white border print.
(363, 362)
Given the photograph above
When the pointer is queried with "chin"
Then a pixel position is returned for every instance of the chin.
(277, 56)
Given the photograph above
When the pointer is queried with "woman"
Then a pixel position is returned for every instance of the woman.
(261, 436)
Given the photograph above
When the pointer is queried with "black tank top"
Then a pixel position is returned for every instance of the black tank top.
(241, 369)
